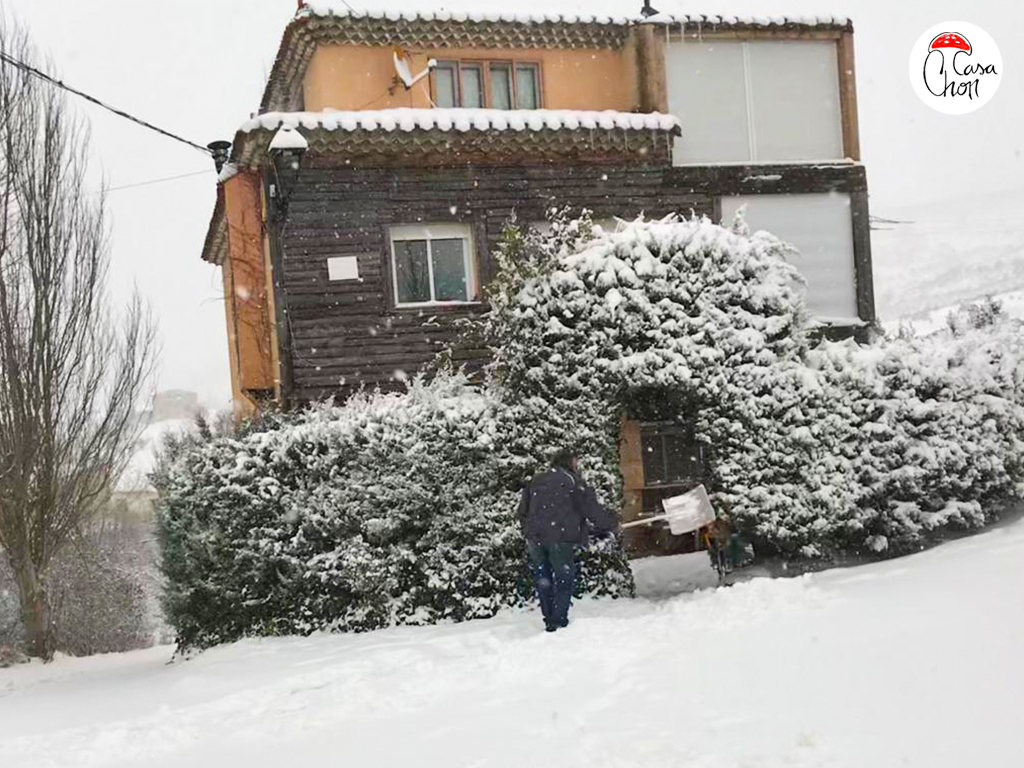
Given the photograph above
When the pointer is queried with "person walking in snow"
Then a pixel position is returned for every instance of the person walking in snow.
(554, 510)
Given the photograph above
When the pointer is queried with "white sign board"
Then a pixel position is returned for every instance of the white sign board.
(688, 512)
(343, 268)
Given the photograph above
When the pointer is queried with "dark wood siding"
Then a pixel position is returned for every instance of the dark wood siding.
(348, 334)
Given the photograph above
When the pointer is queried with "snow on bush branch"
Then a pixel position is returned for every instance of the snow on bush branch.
(399, 508)
(389, 509)
(814, 448)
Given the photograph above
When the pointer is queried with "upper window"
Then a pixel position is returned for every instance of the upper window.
(755, 100)
(432, 264)
(494, 84)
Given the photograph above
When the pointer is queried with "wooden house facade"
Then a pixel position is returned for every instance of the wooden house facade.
(358, 210)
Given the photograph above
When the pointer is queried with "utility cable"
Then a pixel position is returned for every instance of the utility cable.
(159, 181)
(7, 58)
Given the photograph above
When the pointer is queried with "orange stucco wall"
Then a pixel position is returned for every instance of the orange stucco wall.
(245, 288)
(358, 77)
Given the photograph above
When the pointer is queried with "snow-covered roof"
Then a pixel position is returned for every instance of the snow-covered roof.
(478, 135)
(461, 120)
(540, 12)
(216, 243)
(463, 24)
(483, 136)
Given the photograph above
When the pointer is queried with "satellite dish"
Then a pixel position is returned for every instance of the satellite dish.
(405, 74)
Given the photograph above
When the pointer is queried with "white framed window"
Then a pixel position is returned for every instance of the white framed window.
(820, 227)
(432, 264)
(755, 100)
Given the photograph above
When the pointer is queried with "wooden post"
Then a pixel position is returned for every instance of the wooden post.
(632, 468)
(650, 52)
(242, 206)
(848, 95)
(862, 255)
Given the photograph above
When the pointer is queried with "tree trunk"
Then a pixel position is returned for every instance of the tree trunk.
(35, 611)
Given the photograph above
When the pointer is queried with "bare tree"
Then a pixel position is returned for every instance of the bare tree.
(71, 370)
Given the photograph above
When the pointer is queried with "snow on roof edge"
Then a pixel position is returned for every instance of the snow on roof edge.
(342, 10)
(409, 119)
(288, 138)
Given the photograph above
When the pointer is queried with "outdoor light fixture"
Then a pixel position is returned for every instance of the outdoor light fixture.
(286, 151)
(220, 151)
(647, 11)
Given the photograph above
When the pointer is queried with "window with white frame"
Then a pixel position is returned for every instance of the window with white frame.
(432, 264)
(820, 227)
(755, 100)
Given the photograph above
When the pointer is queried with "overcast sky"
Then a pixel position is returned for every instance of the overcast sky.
(197, 68)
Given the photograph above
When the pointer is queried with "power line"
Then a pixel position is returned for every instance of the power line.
(159, 181)
(54, 81)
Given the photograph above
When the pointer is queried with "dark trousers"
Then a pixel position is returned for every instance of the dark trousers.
(554, 574)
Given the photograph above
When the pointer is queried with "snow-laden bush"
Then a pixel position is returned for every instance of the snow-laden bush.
(813, 449)
(935, 427)
(389, 509)
(686, 318)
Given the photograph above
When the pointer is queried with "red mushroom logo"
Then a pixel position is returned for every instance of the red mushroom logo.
(954, 73)
(947, 40)
(955, 76)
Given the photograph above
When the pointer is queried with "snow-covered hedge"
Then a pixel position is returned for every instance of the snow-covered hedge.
(400, 508)
(934, 428)
(389, 509)
(815, 448)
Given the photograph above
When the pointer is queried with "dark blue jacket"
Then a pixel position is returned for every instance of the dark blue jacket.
(555, 505)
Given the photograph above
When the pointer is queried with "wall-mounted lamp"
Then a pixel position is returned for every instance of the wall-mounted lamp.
(220, 150)
(648, 10)
(286, 151)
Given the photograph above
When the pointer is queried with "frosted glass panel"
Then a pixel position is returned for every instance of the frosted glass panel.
(526, 87)
(501, 86)
(449, 269)
(706, 91)
(444, 86)
(820, 226)
(760, 100)
(472, 87)
(412, 276)
(795, 98)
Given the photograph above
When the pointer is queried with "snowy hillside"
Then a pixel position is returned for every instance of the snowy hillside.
(942, 253)
(932, 320)
(912, 662)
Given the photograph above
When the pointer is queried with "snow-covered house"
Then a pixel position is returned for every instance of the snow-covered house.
(358, 210)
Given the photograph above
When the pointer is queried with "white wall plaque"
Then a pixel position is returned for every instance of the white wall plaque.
(343, 268)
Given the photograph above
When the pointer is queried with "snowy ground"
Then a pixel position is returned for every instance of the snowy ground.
(912, 662)
(946, 252)
(930, 321)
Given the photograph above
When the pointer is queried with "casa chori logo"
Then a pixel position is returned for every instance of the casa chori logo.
(955, 67)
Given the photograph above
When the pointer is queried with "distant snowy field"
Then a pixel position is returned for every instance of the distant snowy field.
(912, 662)
(944, 253)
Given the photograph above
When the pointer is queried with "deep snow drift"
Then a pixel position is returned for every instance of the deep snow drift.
(916, 661)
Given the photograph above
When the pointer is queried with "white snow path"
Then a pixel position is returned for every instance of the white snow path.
(912, 662)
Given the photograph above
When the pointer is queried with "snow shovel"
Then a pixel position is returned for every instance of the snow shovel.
(687, 513)
(684, 514)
